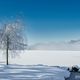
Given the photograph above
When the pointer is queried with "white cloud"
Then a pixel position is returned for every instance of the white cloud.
(73, 45)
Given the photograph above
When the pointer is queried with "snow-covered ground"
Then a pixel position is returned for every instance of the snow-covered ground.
(32, 72)
(25, 65)
(54, 58)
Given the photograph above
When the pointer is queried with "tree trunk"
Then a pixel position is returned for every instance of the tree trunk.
(7, 48)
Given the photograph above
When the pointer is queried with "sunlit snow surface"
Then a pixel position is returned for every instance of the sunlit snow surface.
(26, 67)
(32, 72)
(51, 58)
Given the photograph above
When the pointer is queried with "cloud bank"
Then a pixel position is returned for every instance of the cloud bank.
(73, 45)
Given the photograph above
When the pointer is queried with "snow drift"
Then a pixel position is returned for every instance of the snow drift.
(32, 72)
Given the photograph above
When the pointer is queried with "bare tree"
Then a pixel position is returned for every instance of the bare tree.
(11, 37)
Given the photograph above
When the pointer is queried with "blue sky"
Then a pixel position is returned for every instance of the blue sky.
(46, 20)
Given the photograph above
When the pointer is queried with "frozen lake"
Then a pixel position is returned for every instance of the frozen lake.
(55, 58)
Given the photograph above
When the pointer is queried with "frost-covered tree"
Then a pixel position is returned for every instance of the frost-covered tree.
(11, 37)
